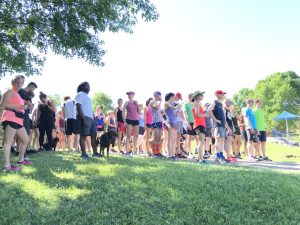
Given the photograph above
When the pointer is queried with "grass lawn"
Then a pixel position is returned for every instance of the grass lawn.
(63, 189)
(282, 153)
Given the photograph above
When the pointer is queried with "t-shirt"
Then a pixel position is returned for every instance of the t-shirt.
(260, 119)
(208, 121)
(25, 96)
(70, 109)
(250, 115)
(188, 108)
(86, 104)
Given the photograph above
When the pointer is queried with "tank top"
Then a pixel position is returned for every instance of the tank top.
(132, 111)
(156, 115)
(219, 113)
(236, 125)
(149, 119)
(229, 118)
(9, 115)
(171, 117)
(199, 121)
(46, 115)
(112, 122)
(99, 120)
(119, 116)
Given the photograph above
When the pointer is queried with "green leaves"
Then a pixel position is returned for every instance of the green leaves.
(67, 27)
(279, 92)
(103, 99)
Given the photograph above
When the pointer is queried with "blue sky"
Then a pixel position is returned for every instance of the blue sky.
(195, 45)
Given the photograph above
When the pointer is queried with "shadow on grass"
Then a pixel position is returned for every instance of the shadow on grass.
(64, 189)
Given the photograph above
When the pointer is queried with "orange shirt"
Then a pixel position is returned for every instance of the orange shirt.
(199, 121)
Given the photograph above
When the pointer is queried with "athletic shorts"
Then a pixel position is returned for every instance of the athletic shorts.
(251, 137)
(200, 129)
(141, 130)
(13, 125)
(121, 127)
(100, 128)
(244, 136)
(148, 125)
(27, 124)
(173, 125)
(86, 130)
(220, 132)
(208, 133)
(157, 125)
(262, 136)
(191, 132)
(133, 122)
(71, 126)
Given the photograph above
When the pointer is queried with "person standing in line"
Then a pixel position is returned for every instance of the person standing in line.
(131, 116)
(261, 128)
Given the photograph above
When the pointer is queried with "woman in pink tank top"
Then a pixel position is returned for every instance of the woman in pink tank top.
(12, 122)
(131, 116)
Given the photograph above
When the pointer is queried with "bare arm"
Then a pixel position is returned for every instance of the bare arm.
(198, 114)
(80, 112)
(51, 106)
(168, 105)
(210, 112)
(4, 103)
(124, 112)
(155, 105)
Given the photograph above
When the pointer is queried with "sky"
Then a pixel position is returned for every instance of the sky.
(194, 45)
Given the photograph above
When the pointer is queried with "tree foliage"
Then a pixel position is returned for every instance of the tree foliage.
(239, 98)
(103, 99)
(56, 99)
(279, 92)
(72, 28)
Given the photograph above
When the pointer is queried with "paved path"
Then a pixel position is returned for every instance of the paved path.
(288, 166)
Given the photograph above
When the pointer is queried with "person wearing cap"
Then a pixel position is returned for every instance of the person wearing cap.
(200, 124)
(157, 124)
(171, 123)
(131, 116)
(261, 127)
(208, 132)
(216, 112)
(251, 129)
(188, 109)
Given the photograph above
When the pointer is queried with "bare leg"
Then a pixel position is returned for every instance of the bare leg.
(9, 140)
(128, 135)
(135, 137)
(23, 136)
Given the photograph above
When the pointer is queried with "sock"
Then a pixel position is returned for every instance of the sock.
(221, 155)
(218, 154)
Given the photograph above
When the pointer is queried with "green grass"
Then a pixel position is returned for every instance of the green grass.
(282, 153)
(63, 189)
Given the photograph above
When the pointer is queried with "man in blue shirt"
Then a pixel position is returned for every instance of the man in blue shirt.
(251, 128)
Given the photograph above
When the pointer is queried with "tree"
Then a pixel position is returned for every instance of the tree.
(279, 92)
(56, 99)
(101, 98)
(239, 98)
(28, 29)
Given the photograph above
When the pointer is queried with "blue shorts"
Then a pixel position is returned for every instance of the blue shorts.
(157, 125)
(220, 132)
(262, 136)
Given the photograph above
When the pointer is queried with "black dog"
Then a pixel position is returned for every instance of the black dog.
(47, 147)
(106, 140)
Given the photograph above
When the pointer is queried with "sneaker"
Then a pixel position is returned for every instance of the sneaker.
(266, 159)
(128, 154)
(172, 158)
(231, 159)
(12, 168)
(251, 159)
(25, 162)
(180, 156)
(201, 162)
(85, 156)
(96, 155)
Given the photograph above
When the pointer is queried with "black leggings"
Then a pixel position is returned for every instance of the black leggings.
(46, 128)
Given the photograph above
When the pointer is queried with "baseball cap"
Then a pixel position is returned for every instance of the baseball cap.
(179, 96)
(130, 93)
(197, 93)
(220, 92)
(157, 93)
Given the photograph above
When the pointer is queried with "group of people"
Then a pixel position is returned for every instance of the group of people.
(162, 128)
